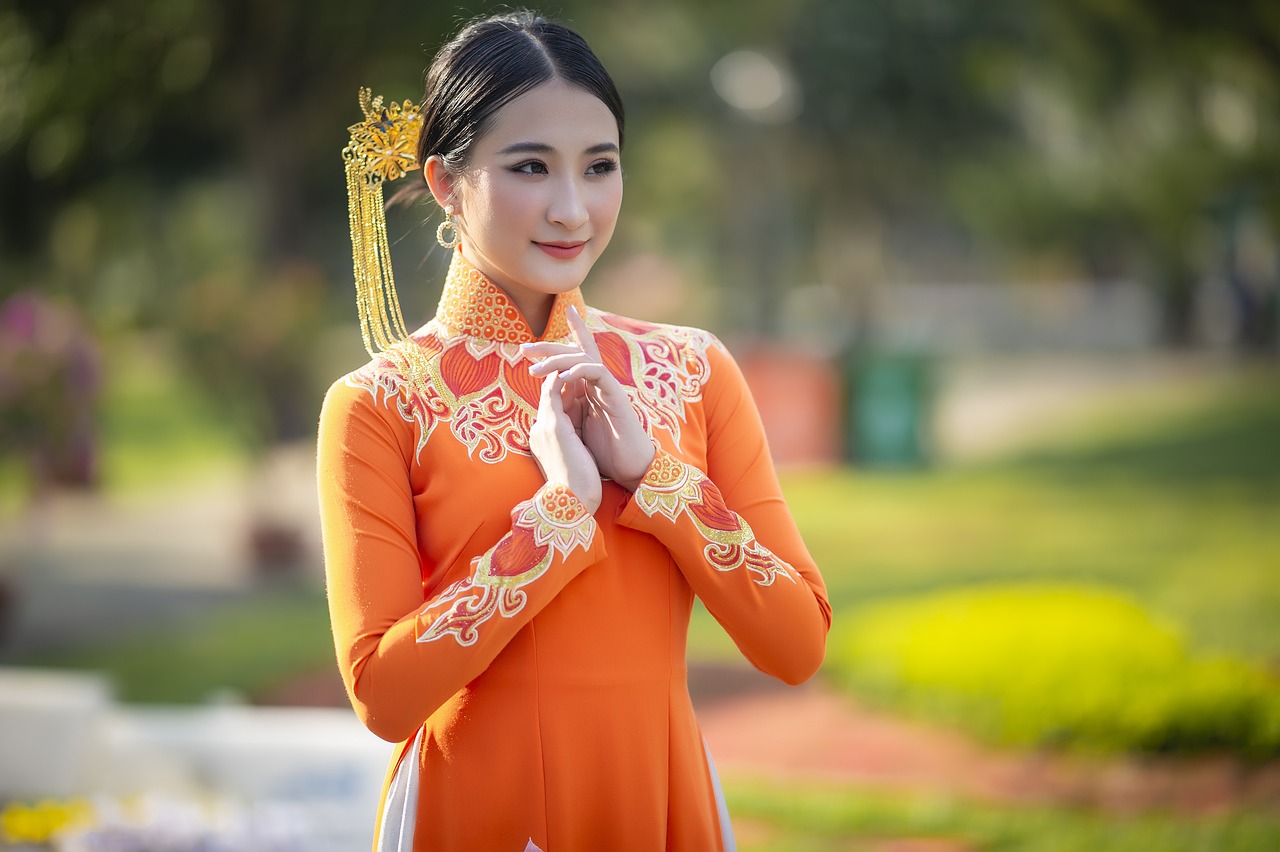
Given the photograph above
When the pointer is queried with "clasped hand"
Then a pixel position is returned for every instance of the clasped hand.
(586, 427)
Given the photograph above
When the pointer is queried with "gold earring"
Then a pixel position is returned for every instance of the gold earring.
(447, 225)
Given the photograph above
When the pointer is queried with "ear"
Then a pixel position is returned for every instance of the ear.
(440, 181)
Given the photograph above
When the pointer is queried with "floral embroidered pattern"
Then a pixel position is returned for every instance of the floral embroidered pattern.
(474, 377)
(672, 488)
(555, 515)
(553, 523)
(482, 389)
(663, 368)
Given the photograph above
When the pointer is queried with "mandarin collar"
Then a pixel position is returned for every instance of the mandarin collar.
(474, 306)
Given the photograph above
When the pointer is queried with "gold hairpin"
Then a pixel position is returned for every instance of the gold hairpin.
(383, 148)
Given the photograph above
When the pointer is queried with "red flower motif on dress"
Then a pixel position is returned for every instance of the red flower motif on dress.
(711, 512)
(672, 488)
(616, 355)
(526, 386)
(466, 376)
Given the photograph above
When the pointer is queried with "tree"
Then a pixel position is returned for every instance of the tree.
(1142, 122)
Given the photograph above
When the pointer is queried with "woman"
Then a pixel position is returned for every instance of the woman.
(521, 499)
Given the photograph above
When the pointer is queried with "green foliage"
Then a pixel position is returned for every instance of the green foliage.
(1055, 664)
(1181, 441)
(245, 647)
(810, 817)
(158, 428)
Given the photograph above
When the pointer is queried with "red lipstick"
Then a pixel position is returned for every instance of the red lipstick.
(562, 250)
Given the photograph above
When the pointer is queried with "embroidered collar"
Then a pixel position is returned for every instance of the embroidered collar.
(473, 305)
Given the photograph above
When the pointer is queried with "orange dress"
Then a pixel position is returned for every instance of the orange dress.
(528, 656)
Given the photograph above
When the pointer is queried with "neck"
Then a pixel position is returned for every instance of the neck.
(534, 307)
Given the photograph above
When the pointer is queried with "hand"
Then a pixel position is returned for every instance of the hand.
(558, 448)
(597, 404)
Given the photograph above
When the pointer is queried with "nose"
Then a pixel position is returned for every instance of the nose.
(568, 206)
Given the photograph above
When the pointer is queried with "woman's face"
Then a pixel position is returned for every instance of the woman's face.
(540, 196)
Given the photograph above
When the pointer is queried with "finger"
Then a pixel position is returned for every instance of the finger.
(602, 385)
(560, 402)
(581, 334)
(558, 362)
(587, 371)
(600, 388)
(543, 349)
(551, 390)
(573, 403)
(570, 391)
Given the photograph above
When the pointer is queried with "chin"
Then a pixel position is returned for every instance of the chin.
(559, 276)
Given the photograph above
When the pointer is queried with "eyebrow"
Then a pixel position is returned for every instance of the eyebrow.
(544, 148)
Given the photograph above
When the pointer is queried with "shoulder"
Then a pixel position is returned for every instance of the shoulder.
(372, 383)
(392, 372)
(359, 396)
(386, 382)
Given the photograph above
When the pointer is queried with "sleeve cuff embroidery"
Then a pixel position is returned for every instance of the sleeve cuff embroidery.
(553, 523)
(558, 520)
(672, 488)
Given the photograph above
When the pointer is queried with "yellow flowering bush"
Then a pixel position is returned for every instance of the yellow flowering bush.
(1041, 664)
(40, 822)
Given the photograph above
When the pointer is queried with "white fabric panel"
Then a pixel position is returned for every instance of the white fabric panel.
(400, 814)
(726, 827)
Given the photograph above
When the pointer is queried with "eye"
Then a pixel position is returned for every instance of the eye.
(603, 167)
(532, 167)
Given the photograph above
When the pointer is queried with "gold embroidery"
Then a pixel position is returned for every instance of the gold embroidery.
(551, 524)
(468, 611)
(667, 488)
(671, 488)
(482, 389)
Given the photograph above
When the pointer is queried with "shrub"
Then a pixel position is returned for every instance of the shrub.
(49, 382)
(1041, 664)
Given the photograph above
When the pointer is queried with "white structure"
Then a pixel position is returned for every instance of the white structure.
(234, 777)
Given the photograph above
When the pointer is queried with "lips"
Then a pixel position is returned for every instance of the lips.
(564, 250)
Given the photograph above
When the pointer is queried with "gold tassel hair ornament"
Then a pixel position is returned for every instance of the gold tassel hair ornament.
(383, 148)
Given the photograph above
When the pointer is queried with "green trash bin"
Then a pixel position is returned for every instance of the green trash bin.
(889, 409)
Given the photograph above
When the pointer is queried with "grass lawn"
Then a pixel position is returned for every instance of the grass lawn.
(157, 429)
(241, 649)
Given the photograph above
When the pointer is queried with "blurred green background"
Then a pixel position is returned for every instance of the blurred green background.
(1057, 529)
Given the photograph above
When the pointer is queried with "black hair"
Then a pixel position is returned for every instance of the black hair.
(488, 64)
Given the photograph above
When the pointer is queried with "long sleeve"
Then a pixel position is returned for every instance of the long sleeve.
(734, 538)
(403, 653)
